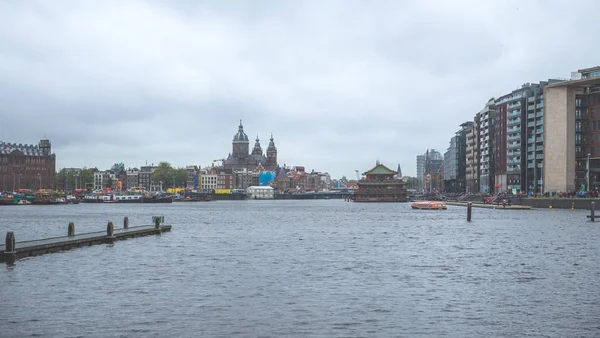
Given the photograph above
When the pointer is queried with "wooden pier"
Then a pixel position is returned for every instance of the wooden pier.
(12, 250)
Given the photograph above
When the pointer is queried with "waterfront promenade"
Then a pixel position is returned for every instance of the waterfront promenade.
(304, 269)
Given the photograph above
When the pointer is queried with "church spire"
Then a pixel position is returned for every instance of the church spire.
(257, 148)
(271, 144)
(399, 174)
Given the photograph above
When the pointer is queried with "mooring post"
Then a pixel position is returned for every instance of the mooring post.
(126, 223)
(469, 207)
(593, 212)
(10, 250)
(110, 232)
(10, 242)
(572, 205)
(157, 222)
(71, 229)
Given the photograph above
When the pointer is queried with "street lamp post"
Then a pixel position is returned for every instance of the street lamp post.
(588, 172)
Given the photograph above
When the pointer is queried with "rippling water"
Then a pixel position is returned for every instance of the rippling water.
(306, 268)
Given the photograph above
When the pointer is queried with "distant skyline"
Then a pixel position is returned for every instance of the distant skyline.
(340, 84)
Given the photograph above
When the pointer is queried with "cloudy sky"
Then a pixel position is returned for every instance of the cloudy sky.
(340, 84)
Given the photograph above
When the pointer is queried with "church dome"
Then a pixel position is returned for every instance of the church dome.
(241, 135)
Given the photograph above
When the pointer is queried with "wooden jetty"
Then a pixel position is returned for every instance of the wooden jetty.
(11, 250)
(492, 206)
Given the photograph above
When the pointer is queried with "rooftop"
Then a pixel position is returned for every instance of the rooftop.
(27, 149)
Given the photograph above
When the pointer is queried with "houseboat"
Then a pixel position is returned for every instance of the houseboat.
(8, 199)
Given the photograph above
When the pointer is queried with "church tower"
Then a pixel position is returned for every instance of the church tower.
(272, 153)
(257, 149)
(241, 145)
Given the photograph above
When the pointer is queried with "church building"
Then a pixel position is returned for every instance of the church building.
(241, 157)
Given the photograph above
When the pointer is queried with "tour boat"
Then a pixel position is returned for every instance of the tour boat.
(429, 205)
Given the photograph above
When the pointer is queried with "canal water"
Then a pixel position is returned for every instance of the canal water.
(322, 268)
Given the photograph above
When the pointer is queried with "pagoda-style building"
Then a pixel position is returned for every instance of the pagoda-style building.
(380, 185)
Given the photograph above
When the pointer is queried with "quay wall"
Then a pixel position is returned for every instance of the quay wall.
(556, 203)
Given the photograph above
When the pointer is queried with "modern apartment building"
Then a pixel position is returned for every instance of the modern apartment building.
(486, 175)
(472, 156)
(455, 160)
(434, 170)
(421, 169)
(571, 127)
(499, 136)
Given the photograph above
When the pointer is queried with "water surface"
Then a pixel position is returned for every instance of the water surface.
(322, 268)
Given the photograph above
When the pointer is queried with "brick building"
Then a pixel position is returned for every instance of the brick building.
(25, 166)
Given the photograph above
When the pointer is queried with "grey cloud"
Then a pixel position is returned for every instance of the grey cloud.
(339, 83)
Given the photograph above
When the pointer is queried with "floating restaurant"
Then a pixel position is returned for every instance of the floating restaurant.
(380, 185)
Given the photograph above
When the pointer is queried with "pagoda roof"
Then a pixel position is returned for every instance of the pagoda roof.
(380, 169)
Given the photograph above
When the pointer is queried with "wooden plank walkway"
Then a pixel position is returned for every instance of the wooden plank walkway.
(492, 206)
(48, 245)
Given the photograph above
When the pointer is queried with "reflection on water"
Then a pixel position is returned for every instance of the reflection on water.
(306, 268)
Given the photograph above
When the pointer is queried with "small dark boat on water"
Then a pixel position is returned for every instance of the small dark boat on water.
(156, 199)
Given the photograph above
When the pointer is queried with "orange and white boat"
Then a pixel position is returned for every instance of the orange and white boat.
(429, 205)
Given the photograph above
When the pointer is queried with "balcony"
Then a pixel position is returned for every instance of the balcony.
(513, 122)
(531, 124)
(530, 165)
(539, 148)
(539, 122)
(514, 145)
(539, 130)
(540, 139)
(539, 156)
(540, 105)
(530, 139)
(531, 99)
(530, 107)
(530, 148)
(514, 113)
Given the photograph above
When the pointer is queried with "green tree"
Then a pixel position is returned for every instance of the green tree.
(181, 177)
(71, 179)
(164, 173)
(85, 180)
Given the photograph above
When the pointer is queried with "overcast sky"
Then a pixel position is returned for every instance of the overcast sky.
(340, 84)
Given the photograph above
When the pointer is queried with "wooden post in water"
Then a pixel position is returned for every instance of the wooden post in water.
(157, 222)
(126, 223)
(10, 242)
(71, 229)
(110, 232)
(10, 251)
(469, 207)
(593, 212)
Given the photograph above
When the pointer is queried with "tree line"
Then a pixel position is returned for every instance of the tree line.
(69, 179)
